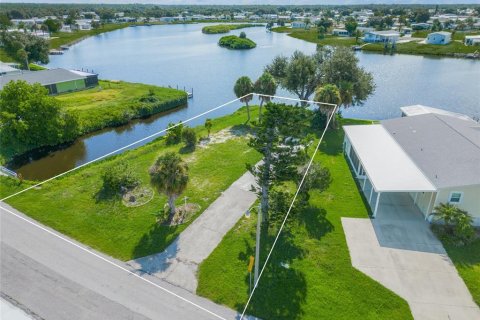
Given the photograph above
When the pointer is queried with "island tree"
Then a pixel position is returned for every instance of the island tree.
(243, 89)
(169, 175)
(265, 86)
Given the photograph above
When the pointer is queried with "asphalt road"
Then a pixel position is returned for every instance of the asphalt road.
(59, 279)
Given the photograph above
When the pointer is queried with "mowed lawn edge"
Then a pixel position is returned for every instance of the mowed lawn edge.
(113, 103)
(71, 204)
(309, 276)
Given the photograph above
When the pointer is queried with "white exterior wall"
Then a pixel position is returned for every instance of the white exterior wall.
(470, 201)
(425, 201)
(436, 38)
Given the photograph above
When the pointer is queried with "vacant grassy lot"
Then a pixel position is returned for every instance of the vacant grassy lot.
(72, 204)
(311, 35)
(320, 282)
(467, 261)
(425, 49)
(116, 103)
(225, 28)
(66, 38)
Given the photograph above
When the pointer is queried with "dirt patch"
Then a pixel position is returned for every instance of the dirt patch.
(224, 135)
(137, 197)
(183, 214)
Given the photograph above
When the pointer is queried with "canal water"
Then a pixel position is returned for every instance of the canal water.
(181, 55)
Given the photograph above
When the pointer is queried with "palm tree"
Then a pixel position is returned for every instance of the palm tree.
(266, 85)
(169, 175)
(208, 126)
(328, 93)
(243, 89)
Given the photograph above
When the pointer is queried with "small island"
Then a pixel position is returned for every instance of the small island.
(226, 28)
(237, 43)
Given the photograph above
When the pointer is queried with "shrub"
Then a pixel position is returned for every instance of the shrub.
(243, 35)
(189, 137)
(457, 224)
(174, 133)
(118, 178)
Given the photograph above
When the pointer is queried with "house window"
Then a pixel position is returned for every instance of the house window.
(455, 197)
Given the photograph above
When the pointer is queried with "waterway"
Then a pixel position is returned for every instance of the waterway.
(181, 55)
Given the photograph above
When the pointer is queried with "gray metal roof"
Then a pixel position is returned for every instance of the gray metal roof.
(44, 77)
(445, 148)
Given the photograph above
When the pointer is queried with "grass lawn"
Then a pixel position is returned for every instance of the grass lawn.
(320, 282)
(115, 103)
(71, 205)
(225, 28)
(425, 49)
(311, 35)
(66, 38)
(467, 261)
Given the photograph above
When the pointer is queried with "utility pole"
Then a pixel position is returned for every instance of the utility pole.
(257, 245)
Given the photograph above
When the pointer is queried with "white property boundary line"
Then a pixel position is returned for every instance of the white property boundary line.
(149, 137)
(288, 212)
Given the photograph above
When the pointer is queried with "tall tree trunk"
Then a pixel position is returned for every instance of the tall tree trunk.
(266, 182)
(260, 111)
(248, 111)
(171, 204)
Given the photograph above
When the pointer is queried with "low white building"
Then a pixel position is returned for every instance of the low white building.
(472, 40)
(299, 25)
(341, 33)
(432, 156)
(441, 37)
(381, 36)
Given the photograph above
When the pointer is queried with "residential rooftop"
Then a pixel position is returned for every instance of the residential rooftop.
(44, 77)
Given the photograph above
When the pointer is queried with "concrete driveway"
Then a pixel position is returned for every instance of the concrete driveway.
(178, 264)
(398, 250)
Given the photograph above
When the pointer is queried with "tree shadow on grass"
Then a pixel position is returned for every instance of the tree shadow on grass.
(314, 220)
(332, 143)
(156, 240)
(282, 289)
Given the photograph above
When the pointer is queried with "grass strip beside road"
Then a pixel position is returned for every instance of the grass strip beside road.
(71, 204)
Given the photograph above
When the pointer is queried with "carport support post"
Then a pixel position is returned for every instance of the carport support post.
(376, 205)
(370, 198)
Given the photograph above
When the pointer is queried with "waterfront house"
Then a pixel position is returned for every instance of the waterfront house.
(381, 36)
(421, 26)
(299, 25)
(427, 157)
(55, 80)
(365, 29)
(441, 37)
(472, 40)
(340, 33)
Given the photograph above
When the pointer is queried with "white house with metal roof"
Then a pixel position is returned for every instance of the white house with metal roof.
(381, 36)
(441, 37)
(430, 154)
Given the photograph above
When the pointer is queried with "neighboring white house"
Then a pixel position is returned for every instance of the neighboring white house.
(9, 68)
(299, 25)
(381, 36)
(472, 40)
(365, 29)
(432, 155)
(341, 33)
(441, 37)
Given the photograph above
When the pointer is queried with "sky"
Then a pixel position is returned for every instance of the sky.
(255, 2)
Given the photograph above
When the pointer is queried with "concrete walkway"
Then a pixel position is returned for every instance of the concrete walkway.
(178, 264)
(398, 250)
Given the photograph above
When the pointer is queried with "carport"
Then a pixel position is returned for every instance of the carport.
(382, 166)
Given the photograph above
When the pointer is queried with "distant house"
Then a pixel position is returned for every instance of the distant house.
(299, 25)
(381, 36)
(441, 37)
(365, 29)
(429, 156)
(341, 33)
(55, 80)
(472, 40)
(420, 26)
